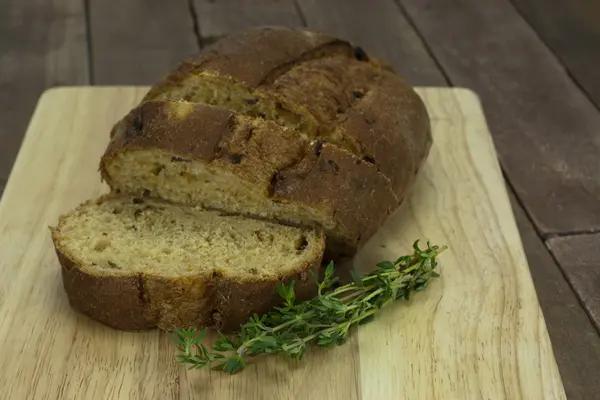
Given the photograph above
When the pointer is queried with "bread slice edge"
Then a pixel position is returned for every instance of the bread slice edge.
(142, 301)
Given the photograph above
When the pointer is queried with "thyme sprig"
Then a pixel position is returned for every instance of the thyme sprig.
(325, 319)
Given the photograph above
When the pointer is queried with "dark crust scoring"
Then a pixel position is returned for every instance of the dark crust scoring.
(392, 124)
(140, 302)
(356, 195)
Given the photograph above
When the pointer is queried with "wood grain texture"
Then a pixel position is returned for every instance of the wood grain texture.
(219, 17)
(575, 340)
(572, 30)
(579, 256)
(42, 44)
(545, 128)
(381, 29)
(477, 332)
(138, 41)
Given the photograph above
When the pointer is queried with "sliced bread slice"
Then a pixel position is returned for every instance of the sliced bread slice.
(136, 264)
(203, 155)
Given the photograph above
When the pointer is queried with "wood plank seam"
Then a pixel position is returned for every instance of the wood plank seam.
(545, 241)
(570, 282)
(425, 44)
(88, 34)
(300, 13)
(195, 23)
(569, 279)
(571, 233)
(568, 71)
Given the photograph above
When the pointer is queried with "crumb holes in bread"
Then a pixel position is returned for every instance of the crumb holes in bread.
(166, 250)
(301, 243)
(263, 236)
(236, 158)
(179, 159)
(101, 245)
(252, 101)
(113, 264)
(253, 271)
(156, 170)
(117, 210)
(216, 274)
(137, 200)
(357, 94)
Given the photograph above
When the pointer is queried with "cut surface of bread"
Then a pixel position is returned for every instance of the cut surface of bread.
(280, 123)
(139, 263)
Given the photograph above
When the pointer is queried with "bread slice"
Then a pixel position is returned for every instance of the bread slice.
(135, 264)
(252, 167)
(281, 123)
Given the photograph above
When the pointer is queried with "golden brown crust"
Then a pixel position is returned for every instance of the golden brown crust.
(256, 56)
(142, 301)
(114, 301)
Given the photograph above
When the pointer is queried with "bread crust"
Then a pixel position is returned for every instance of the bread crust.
(143, 301)
(256, 56)
(358, 168)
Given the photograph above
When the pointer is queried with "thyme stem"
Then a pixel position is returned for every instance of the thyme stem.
(326, 318)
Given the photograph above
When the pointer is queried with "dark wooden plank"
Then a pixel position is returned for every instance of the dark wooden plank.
(544, 127)
(575, 341)
(381, 29)
(219, 17)
(579, 257)
(138, 41)
(572, 30)
(42, 44)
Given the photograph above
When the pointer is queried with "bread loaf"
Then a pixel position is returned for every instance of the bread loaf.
(279, 123)
(136, 264)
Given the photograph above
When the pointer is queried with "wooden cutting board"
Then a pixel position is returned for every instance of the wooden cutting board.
(476, 333)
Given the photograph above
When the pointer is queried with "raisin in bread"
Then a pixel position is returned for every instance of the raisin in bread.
(279, 123)
(135, 264)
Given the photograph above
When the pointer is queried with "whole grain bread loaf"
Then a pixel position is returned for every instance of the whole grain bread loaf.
(279, 123)
(135, 264)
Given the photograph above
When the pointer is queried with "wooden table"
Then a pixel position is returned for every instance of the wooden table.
(534, 64)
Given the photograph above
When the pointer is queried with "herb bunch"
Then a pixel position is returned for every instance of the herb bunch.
(325, 319)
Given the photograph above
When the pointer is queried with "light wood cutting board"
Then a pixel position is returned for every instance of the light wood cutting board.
(476, 333)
